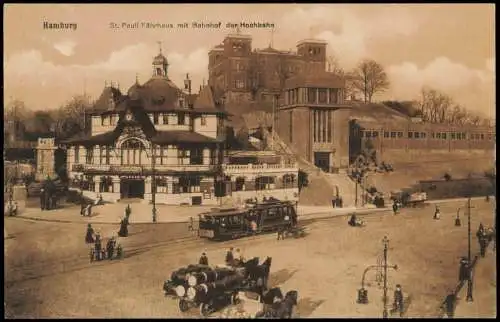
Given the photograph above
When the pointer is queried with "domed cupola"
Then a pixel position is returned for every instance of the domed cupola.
(135, 90)
(160, 65)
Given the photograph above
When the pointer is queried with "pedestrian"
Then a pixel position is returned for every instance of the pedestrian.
(203, 259)
(128, 211)
(89, 237)
(395, 207)
(191, 224)
(281, 233)
(97, 245)
(398, 300)
(230, 257)
(110, 248)
(480, 231)
(42, 199)
(123, 232)
(437, 214)
(483, 244)
(82, 208)
(334, 201)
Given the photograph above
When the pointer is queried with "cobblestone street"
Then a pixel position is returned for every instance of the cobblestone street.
(48, 273)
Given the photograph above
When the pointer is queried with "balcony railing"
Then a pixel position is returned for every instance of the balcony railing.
(141, 168)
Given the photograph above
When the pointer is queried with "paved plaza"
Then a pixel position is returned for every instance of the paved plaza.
(48, 273)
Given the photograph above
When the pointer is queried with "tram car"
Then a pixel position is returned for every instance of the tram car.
(232, 223)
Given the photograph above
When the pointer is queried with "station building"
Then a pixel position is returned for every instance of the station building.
(162, 140)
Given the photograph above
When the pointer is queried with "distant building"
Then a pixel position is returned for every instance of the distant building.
(162, 140)
(252, 78)
(316, 121)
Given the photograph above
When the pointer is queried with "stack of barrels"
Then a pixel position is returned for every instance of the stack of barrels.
(178, 279)
(205, 285)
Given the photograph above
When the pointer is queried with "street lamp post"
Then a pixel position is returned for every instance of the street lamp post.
(363, 293)
(385, 241)
(469, 262)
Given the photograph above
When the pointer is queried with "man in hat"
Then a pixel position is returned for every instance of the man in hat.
(203, 259)
(98, 245)
(123, 228)
(395, 207)
(230, 257)
(89, 236)
(437, 214)
(398, 300)
(110, 247)
(128, 211)
(42, 199)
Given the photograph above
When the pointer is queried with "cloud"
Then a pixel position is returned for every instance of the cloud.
(348, 33)
(472, 87)
(29, 69)
(66, 47)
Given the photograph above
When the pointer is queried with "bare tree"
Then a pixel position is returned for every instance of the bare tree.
(369, 78)
(438, 107)
(72, 117)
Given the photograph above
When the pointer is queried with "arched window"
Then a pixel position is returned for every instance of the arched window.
(133, 152)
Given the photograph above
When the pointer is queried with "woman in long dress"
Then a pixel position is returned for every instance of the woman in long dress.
(89, 237)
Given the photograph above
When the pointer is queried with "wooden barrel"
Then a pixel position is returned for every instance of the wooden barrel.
(182, 274)
(203, 291)
(209, 276)
(180, 290)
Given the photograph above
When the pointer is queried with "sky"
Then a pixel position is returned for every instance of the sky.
(448, 47)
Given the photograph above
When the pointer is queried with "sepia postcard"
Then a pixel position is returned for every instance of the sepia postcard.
(249, 161)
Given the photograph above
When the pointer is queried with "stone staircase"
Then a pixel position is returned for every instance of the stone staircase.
(322, 186)
(346, 187)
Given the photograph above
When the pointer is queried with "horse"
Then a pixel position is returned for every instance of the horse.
(282, 309)
(258, 274)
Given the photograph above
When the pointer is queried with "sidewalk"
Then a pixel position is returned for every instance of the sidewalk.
(142, 213)
(483, 292)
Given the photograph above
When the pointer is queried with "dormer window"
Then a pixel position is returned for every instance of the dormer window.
(158, 72)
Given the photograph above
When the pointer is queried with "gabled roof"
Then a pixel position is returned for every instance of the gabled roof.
(104, 138)
(140, 118)
(205, 99)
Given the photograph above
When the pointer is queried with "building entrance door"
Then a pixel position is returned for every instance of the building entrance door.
(132, 188)
(322, 160)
